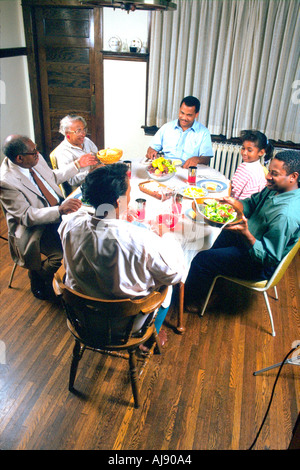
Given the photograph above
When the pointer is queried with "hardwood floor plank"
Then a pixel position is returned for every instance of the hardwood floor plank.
(200, 394)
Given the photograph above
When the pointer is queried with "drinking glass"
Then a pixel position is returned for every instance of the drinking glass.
(192, 172)
(141, 208)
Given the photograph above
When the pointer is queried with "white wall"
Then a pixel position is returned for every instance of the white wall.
(125, 85)
(124, 107)
(126, 26)
(15, 103)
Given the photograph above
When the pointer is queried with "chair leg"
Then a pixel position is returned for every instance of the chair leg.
(77, 355)
(270, 313)
(156, 339)
(134, 378)
(12, 275)
(208, 296)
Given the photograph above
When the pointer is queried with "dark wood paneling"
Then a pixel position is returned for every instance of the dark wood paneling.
(64, 59)
(76, 29)
(68, 79)
(67, 55)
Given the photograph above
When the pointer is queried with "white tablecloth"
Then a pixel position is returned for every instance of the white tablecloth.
(192, 235)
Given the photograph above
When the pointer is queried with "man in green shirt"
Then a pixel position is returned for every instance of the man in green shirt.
(269, 228)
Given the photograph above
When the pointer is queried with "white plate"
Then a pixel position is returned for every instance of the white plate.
(176, 161)
(197, 217)
(219, 185)
(79, 196)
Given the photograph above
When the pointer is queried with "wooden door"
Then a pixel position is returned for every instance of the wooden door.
(67, 43)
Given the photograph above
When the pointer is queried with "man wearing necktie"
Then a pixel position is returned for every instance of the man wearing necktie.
(33, 204)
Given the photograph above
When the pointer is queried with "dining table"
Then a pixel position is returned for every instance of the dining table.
(172, 214)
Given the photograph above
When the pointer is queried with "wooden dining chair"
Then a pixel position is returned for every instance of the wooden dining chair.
(261, 286)
(15, 264)
(106, 326)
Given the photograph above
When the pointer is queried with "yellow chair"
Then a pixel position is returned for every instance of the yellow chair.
(261, 286)
(106, 326)
(53, 160)
(65, 187)
(266, 171)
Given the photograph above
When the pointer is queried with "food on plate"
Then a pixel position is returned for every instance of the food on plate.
(219, 212)
(177, 162)
(156, 189)
(161, 167)
(211, 186)
(109, 155)
(193, 191)
(192, 214)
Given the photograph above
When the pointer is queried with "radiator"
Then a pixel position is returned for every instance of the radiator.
(226, 158)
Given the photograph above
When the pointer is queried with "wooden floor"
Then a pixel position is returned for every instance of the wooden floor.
(200, 394)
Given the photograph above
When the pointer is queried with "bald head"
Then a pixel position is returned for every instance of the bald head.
(14, 145)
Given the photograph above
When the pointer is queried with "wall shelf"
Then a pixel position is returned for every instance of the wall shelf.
(126, 56)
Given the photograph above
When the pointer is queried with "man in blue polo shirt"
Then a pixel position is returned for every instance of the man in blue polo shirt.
(184, 138)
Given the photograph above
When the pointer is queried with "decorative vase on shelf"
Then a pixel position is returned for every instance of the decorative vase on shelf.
(144, 49)
(125, 47)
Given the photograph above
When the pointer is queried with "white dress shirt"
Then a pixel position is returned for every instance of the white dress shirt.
(66, 153)
(115, 258)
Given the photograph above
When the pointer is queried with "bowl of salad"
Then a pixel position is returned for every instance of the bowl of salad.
(161, 169)
(217, 213)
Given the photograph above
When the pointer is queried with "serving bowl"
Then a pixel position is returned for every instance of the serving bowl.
(108, 156)
(160, 178)
(200, 210)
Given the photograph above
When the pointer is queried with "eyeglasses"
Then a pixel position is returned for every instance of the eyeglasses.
(79, 131)
(35, 152)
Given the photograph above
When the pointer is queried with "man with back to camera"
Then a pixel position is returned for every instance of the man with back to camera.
(33, 214)
(253, 249)
(74, 146)
(184, 138)
(107, 256)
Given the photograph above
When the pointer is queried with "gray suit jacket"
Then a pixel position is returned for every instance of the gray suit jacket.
(27, 212)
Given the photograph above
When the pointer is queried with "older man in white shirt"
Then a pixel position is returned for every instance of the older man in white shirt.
(106, 256)
(74, 146)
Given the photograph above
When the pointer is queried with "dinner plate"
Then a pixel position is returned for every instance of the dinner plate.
(197, 192)
(176, 161)
(191, 214)
(212, 186)
(79, 196)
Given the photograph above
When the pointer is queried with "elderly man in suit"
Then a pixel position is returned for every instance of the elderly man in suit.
(33, 211)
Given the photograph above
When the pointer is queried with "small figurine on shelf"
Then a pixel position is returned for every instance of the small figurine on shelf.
(135, 45)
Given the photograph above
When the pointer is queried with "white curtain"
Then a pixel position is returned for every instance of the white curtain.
(239, 57)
